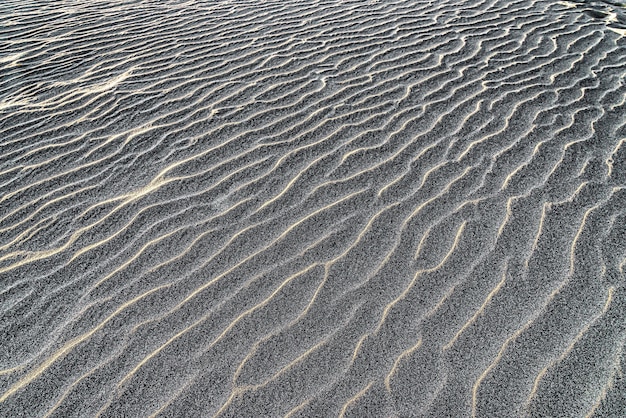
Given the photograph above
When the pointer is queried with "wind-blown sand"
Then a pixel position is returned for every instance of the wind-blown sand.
(312, 208)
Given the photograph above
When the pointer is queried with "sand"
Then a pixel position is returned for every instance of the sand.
(392, 208)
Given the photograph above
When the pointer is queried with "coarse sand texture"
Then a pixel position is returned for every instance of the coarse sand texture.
(320, 208)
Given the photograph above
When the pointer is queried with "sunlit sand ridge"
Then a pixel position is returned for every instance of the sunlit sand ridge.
(312, 208)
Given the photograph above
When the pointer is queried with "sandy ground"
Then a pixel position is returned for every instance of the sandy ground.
(325, 208)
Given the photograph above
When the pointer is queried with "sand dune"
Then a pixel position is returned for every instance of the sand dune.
(312, 208)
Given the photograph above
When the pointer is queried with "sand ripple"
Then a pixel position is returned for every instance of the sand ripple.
(322, 208)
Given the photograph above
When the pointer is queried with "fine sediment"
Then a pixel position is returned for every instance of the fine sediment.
(308, 209)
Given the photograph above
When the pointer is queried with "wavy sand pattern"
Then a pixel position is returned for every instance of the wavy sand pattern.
(312, 208)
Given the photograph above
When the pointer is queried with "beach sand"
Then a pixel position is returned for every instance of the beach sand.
(392, 208)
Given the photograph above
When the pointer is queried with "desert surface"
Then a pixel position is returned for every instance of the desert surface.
(325, 208)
